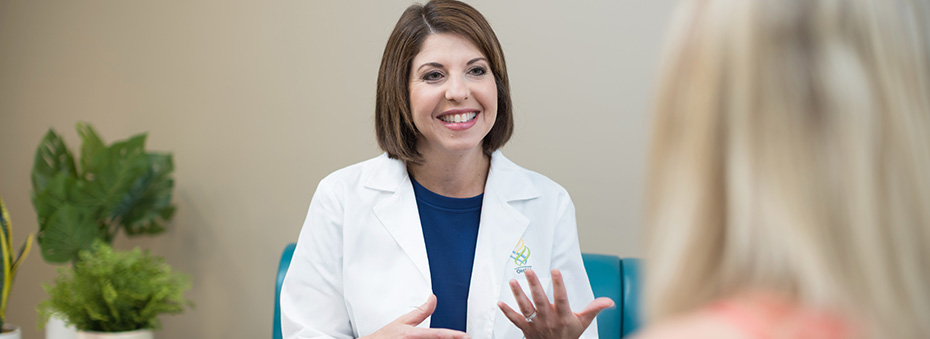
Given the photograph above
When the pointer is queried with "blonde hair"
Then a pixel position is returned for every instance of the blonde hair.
(791, 153)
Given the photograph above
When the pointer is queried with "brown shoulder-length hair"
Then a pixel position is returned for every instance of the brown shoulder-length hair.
(394, 126)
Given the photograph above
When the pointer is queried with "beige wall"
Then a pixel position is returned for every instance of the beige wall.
(259, 100)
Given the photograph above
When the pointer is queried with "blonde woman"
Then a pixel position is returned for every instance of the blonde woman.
(790, 188)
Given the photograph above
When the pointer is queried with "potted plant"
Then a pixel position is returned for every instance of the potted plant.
(112, 188)
(109, 188)
(11, 262)
(115, 294)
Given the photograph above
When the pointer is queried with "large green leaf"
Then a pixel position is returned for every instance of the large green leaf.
(92, 147)
(61, 189)
(68, 231)
(111, 174)
(52, 157)
(149, 198)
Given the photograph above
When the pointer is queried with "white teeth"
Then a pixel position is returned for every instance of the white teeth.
(456, 118)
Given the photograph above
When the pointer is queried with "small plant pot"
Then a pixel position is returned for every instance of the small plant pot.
(56, 328)
(137, 334)
(11, 332)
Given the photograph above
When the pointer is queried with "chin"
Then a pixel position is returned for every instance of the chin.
(464, 148)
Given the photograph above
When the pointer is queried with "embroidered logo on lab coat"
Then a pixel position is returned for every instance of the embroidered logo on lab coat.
(520, 256)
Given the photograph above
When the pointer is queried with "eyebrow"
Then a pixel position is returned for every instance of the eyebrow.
(438, 65)
(476, 60)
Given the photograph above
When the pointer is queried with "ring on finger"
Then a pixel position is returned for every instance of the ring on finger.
(530, 318)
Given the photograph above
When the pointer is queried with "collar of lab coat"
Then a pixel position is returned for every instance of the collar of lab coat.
(505, 178)
(502, 225)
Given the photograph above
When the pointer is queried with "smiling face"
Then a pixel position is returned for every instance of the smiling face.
(453, 96)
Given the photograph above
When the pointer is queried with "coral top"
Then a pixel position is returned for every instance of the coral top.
(760, 315)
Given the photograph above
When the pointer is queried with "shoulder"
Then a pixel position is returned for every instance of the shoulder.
(362, 173)
(361, 170)
(754, 314)
(507, 173)
(694, 325)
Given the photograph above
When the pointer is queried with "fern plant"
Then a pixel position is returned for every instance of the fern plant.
(115, 291)
(111, 188)
(11, 262)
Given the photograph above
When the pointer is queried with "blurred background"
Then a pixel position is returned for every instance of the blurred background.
(259, 100)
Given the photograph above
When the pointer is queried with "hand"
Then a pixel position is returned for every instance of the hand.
(405, 325)
(540, 319)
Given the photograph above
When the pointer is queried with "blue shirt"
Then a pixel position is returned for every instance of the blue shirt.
(450, 230)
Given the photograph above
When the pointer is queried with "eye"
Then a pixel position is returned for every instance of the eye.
(432, 76)
(478, 71)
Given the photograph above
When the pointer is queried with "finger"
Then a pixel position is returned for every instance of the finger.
(586, 316)
(539, 294)
(526, 306)
(419, 314)
(560, 295)
(436, 333)
(516, 318)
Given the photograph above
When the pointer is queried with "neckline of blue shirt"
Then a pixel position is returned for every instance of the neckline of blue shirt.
(441, 201)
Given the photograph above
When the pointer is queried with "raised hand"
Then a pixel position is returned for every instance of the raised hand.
(540, 319)
(405, 326)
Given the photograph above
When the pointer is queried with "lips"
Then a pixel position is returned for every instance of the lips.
(459, 119)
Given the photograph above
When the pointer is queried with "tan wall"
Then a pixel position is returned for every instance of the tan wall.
(259, 100)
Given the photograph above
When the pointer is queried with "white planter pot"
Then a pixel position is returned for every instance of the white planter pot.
(14, 332)
(56, 329)
(137, 334)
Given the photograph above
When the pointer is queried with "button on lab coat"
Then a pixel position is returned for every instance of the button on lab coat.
(361, 261)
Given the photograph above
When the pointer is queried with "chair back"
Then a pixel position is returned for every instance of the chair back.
(631, 293)
(617, 279)
(282, 271)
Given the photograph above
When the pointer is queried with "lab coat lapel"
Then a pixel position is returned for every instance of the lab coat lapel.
(397, 212)
(502, 226)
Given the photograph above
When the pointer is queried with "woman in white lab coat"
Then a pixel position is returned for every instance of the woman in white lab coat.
(441, 235)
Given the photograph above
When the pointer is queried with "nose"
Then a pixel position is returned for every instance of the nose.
(457, 89)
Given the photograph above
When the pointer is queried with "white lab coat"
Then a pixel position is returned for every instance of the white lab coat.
(361, 261)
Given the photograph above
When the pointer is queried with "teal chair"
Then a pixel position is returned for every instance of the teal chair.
(617, 279)
(610, 277)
